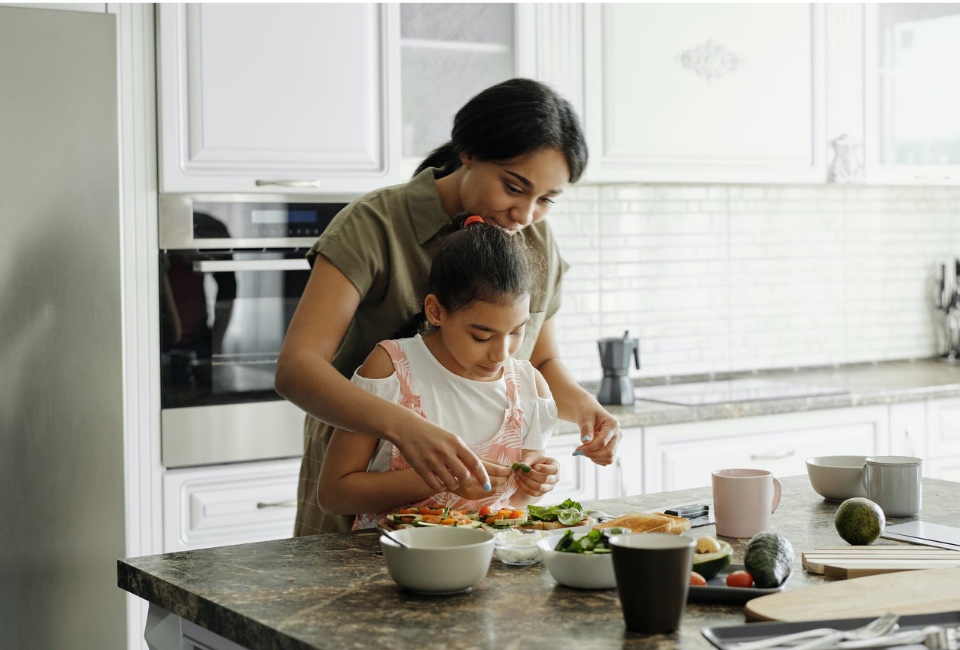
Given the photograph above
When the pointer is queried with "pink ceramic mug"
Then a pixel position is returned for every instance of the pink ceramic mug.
(743, 500)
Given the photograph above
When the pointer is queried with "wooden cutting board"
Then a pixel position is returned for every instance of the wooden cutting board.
(859, 561)
(905, 592)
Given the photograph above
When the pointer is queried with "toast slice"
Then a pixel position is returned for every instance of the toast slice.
(649, 522)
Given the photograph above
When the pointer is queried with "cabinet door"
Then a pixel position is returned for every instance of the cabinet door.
(231, 504)
(943, 440)
(912, 93)
(449, 52)
(578, 475)
(705, 93)
(255, 95)
(683, 456)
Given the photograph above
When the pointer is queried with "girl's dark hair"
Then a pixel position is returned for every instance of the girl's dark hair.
(480, 262)
(513, 118)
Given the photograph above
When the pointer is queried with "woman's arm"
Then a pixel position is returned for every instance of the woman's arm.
(599, 431)
(306, 377)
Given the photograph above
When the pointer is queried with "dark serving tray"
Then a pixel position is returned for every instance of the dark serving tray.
(723, 637)
(717, 591)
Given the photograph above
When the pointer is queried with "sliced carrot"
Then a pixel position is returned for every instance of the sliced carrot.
(516, 514)
(424, 510)
(408, 511)
(406, 518)
(447, 522)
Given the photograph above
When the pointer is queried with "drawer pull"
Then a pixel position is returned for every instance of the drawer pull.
(288, 183)
(279, 504)
(773, 455)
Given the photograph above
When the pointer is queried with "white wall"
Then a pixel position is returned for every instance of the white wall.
(716, 278)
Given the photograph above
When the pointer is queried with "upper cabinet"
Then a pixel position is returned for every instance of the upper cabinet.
(263, 98)
(448, 54)
(912, 93)
(705, 93)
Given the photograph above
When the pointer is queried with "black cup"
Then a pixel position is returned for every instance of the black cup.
(653, 577)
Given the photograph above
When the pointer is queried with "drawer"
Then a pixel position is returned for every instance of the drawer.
(229, 505)
(679, 457)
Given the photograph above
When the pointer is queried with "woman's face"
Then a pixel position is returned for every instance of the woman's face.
(476, 340)
(512, 194)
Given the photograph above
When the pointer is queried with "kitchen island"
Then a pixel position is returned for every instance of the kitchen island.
(334, 591)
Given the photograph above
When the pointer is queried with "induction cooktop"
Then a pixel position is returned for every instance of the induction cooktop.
(747, 389)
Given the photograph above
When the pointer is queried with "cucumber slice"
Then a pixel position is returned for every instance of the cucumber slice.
(399, 518)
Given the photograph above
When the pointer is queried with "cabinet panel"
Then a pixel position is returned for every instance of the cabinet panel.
(943, 434)
(578, 475)
(679, 92)
(232, 504)
(256, 92)
(683, 456)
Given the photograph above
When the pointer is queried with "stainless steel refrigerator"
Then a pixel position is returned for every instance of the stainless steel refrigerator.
(61, 442)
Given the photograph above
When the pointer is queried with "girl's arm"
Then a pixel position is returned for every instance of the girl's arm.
(306, 377)
(541, 479)
(345, 486)
(599, 431)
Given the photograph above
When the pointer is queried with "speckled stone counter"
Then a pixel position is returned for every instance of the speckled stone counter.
(333, 591)
(867, 384)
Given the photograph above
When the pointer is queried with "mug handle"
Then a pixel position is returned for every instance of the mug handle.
(776, 495)
(864, 477)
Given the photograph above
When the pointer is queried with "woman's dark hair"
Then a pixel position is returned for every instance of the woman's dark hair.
(480, 262)
(513, 118)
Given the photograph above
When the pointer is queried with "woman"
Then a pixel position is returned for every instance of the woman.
(513, 149)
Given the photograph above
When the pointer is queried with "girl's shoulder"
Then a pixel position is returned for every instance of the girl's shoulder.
(377, 365)
(531, 380)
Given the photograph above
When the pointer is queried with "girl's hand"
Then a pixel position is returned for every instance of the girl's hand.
(542, 477)
(498, 477)
(599, 432)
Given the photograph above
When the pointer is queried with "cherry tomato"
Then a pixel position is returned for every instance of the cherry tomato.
(424, 510)
(484, 511)
(516, 514)
(739, 579)
(697, 580)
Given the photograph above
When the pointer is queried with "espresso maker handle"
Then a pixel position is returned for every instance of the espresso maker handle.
(636, 356)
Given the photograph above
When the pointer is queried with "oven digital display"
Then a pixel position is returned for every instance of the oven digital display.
(268, 216)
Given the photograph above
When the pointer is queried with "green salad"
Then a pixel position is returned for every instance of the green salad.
(567, 513)
(596, 541)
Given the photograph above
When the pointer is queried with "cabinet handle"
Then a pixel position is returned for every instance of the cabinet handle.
(773, 455)
(279, 504)
(220, 266)
(288, 183)
(930, 177)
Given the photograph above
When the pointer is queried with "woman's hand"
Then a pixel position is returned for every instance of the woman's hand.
(599, 432)
(498, 474)
(444, 461)
(542, 477)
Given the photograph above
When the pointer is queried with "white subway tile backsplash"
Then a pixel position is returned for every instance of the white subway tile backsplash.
(720, 278)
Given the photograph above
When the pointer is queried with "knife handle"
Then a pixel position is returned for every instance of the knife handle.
(691, 511)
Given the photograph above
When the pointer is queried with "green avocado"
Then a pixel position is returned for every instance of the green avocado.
(769, 559)
(859, 521)
(710, 564)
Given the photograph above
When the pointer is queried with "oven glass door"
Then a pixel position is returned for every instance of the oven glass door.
(223, 316)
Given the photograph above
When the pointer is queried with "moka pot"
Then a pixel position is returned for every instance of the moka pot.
(615, 353)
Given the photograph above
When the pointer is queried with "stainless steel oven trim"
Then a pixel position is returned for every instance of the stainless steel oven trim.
(176, 220)
(218, 266)
(230, 433)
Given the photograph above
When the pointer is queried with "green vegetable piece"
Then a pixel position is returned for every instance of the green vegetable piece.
(710, 564)
(768, 558)
(859, 521)
(523, 467)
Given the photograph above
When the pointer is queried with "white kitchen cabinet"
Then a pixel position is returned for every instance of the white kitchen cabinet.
(681, 456)
(912, 93)
(908, 431)
(578, 475)
(256, 97)
(229, 504)
(705, 93)
(942, 459)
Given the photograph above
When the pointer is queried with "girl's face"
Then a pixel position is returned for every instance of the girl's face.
(476, 340)
(512, 194)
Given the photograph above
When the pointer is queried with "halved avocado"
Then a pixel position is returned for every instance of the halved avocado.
(710, 564)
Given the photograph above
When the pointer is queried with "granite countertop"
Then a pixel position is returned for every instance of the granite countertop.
(866, 384)
(333, 591)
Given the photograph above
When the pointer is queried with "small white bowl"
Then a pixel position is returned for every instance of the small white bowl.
(518, 546)
(441, 560)
(577, 570)
(837, 478)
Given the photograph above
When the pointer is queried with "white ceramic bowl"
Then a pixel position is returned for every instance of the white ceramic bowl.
(441, 560)
(837, 477)
(518, 546)
(578, 570)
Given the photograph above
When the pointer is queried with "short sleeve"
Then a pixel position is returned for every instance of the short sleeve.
(542, 424)
(355, 242)
(388, 387)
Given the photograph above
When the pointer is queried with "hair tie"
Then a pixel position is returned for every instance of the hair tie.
(472, 219)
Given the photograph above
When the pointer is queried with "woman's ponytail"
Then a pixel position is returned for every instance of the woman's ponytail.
(444, 157)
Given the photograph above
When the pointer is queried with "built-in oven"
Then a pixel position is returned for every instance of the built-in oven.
(232, 270)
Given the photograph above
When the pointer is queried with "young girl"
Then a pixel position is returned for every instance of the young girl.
(460, 374)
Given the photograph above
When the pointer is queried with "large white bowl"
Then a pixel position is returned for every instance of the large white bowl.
(837, 477)
(441, 560)
(577, 570)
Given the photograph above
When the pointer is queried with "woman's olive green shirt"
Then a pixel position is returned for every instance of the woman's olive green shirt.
(382, 243)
